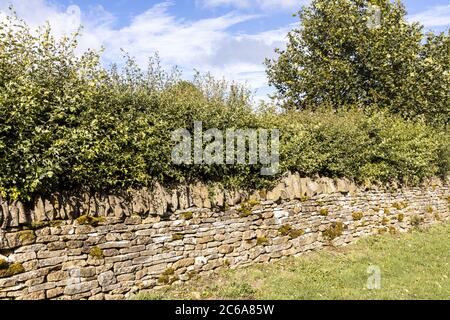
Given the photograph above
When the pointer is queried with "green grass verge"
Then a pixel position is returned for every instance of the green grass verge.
(413, 266)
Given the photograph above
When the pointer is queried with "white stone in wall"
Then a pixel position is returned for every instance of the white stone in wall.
(280, 216)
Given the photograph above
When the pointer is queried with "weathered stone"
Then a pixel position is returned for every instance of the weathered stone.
(77, 288)
(136, 253)
(115, 245)
(51, 261)
(106, 279)
(133, 220)
(53, 293)
(205, 239)
(57, 276)
(225, 249)
(184, 263)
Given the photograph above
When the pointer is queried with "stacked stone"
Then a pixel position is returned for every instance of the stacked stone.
(140, 244)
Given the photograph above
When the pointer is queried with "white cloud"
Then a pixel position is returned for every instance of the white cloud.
(437, 16)
(205, 45)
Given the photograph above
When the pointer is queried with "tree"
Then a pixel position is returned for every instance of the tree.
(341, 55)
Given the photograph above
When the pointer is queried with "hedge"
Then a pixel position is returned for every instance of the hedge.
(67, 123)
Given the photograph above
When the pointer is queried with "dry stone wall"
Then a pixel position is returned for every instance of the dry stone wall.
(112, 246)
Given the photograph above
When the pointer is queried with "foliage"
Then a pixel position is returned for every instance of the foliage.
(349, 143)
(69, 124)
(337, 58)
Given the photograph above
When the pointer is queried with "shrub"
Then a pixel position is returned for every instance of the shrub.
(77, 126)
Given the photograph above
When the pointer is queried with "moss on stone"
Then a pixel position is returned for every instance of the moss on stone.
(177, 237)
(56, 223)
(38, 225)
(262, 241)
(334, 231)
(246, 208)
(27, 237)
(96, 253)
(393, 230)
(304, 198)
(287, 230)
(400, 205)
(400, 217)
(12, 270)
(167, 276)
(387, 211)
(163, 279)
(385, 221)
(357, 216)
(324, 212)
(416, 221)
(3, 264)
(429, 209)
(90, 220)
(295, 233)
(187, 215)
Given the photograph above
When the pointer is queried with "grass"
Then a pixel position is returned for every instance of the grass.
(413, 266)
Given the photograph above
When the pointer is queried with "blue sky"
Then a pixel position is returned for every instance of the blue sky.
(230, 38)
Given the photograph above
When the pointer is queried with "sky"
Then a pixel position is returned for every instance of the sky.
(229, 38)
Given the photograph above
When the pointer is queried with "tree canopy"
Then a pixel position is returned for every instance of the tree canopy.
(341, 55)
